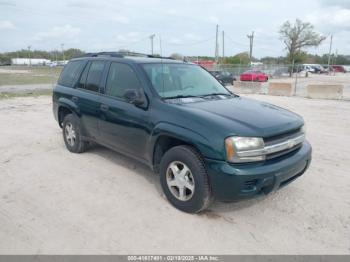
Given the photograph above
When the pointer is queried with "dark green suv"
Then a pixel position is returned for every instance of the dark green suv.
(175, 117)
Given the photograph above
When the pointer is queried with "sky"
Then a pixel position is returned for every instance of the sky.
(181, 26)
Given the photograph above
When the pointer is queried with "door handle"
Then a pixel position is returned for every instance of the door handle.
(104, 108)
(75, 99)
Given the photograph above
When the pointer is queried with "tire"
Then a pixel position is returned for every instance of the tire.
(190, 201)
(72, 139)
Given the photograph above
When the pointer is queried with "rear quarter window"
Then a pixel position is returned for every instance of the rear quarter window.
(71, 73)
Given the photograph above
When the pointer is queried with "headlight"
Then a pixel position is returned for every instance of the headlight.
(303, 129)
(244, 149)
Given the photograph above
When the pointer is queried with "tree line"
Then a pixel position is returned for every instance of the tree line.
(5, 58)
(297, 37)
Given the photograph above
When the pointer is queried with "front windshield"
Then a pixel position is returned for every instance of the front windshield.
(172, 80)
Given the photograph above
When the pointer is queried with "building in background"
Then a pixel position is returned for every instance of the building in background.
(31, 61)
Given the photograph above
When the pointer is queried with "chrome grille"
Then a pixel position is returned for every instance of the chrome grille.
(281, 145)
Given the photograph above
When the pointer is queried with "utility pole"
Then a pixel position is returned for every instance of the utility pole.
(335, 57)
(151, 37)
(251, 43)
(62, 47)
(30, 62)
(329, 54)
(217, 44)
(223, 46)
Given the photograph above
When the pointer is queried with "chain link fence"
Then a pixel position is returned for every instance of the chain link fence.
(14, 78)
(298, 75)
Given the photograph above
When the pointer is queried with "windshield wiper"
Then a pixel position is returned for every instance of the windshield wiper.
(200, 96)
(217, 94)
(179, 96)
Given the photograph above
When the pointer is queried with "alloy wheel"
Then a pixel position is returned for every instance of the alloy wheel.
(180, 181)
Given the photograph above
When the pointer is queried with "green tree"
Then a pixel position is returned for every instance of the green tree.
(298, 36)
(73, 53)
(241, 58)
(177, 56)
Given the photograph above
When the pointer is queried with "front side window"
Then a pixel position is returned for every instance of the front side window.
(94, 76)
(171, 80)
(120, 78)
(70, 73)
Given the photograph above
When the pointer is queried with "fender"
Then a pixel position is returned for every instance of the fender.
(187, 135)
(65, 102)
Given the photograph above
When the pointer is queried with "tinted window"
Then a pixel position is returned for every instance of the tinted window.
(94, 76)
(120, 78)
(83, 77)
(71, 73)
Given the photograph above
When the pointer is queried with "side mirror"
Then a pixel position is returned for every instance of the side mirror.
(134, 96)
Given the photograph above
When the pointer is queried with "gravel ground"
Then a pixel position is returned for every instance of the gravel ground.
(99, 202)
(24, 88)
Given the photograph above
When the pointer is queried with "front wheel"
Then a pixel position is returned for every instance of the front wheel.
(184, 179)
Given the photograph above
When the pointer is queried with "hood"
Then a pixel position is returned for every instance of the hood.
(246, 117)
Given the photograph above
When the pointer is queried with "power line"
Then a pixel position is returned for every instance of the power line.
(233, 41)
(190, 44)
(126, 45)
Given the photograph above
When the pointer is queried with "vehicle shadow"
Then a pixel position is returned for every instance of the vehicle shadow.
(214, 211)
(128, 163)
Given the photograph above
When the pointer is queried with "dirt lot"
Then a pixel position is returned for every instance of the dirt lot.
(314, 79)
(55, 202)
(24, 75)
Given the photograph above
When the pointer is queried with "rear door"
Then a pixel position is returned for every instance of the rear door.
(123, 126)
(88, 96)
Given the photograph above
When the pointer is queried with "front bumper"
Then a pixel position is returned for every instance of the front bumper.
(238, 181)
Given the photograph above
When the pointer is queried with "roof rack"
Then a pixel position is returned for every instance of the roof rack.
(112, 54)
(123, 54)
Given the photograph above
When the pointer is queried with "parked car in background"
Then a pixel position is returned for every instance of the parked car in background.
(347, 68)
(338, 68)
(313, 68)
(223, 76)
(280, 72)
(52, 64)
(251, 75)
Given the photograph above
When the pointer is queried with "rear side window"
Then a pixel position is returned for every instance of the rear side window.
(94, 76)
(82, 81)
(120, 78)
(71, 73)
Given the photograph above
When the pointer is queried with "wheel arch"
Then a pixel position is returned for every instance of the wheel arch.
(170, 136)
(64, 108)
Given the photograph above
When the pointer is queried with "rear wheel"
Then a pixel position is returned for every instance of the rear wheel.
(72, 134)
(184, 179)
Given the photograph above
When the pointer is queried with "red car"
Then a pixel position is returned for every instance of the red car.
(254, 76)
(338, 69)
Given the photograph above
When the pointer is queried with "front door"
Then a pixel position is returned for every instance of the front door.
(122, 125)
